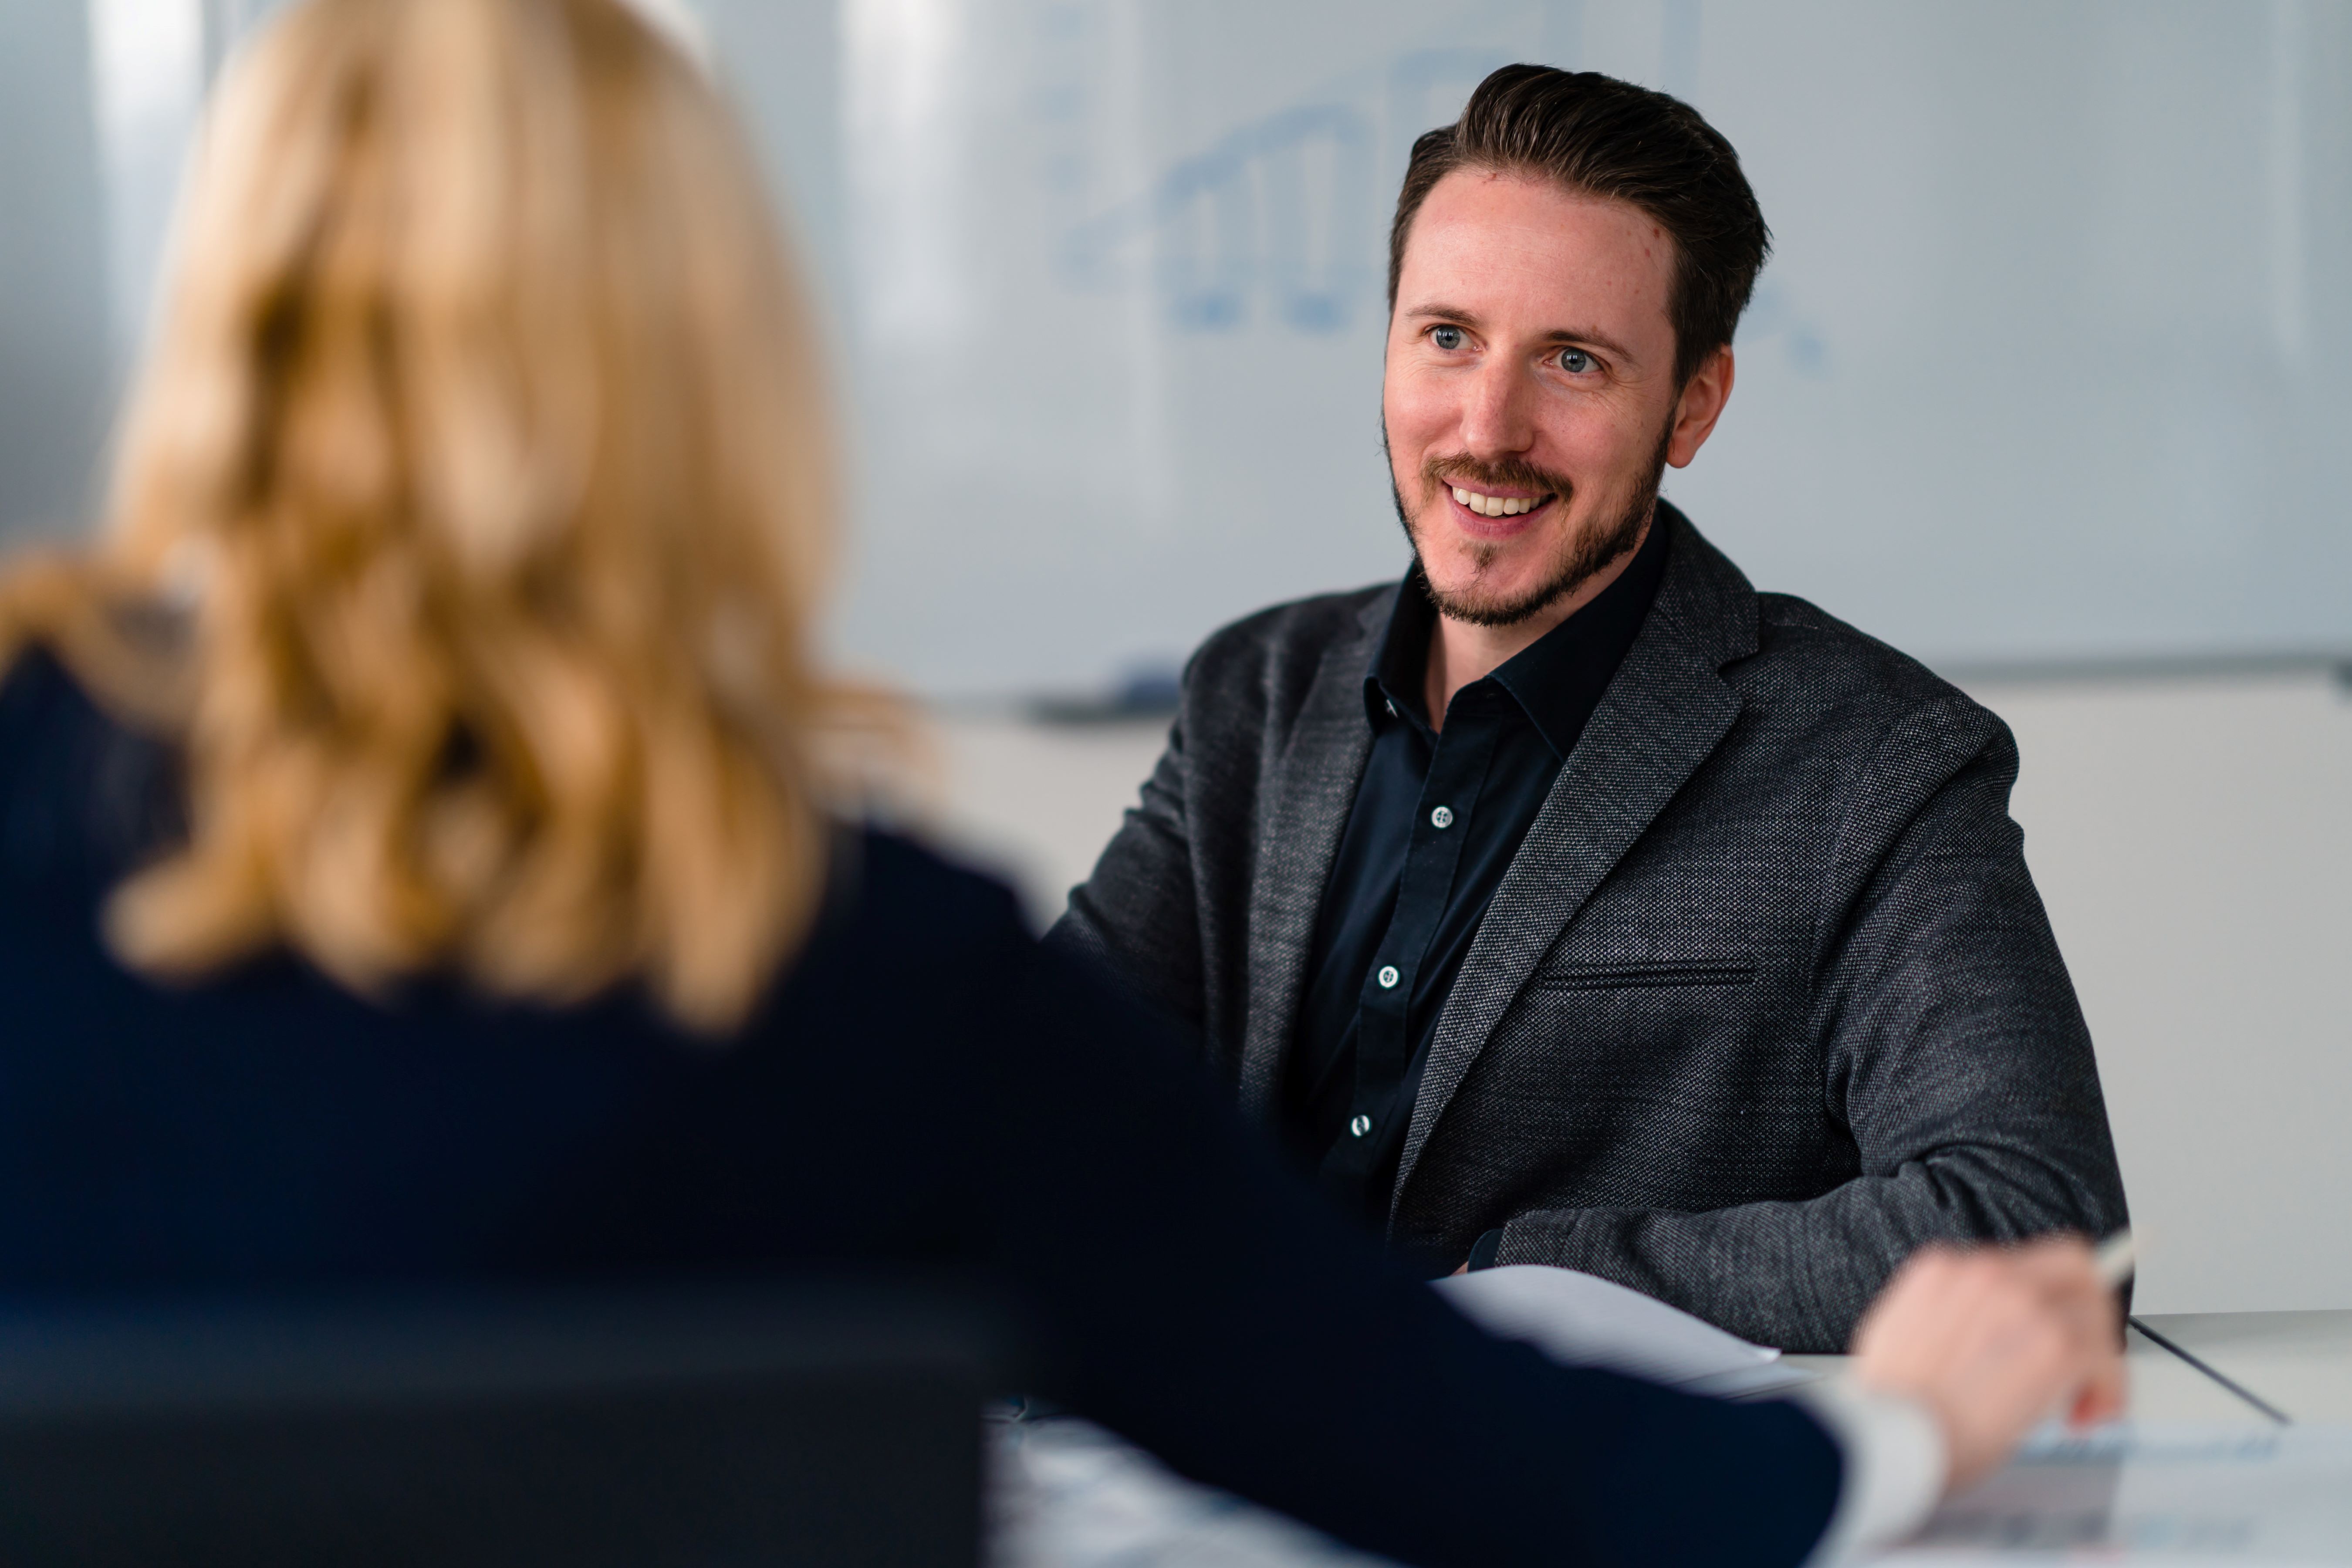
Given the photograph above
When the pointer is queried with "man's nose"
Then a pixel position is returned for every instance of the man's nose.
(1498, 412)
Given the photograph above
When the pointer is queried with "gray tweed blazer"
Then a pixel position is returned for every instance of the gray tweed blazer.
(1765, 1000)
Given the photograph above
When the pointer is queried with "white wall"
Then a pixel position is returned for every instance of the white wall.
(54, 325)
(2193, 840)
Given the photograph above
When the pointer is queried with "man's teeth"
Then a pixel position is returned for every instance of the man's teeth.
(1496, 506)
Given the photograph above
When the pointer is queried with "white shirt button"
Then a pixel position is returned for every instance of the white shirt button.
(1389, 706)
(1443, 817)
(1388, 976)
(1359, 1126)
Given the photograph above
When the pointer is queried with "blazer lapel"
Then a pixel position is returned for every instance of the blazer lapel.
(1663, 714)
(1305, 813)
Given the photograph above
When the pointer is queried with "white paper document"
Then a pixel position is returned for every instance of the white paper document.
(2174, 1493)
(1583, 1321)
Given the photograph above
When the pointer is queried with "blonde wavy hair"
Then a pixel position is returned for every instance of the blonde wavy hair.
(482, 450)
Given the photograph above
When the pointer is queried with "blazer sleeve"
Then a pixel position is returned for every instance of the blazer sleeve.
(1137, 913)
(1198, 1299)
(1953, 1051)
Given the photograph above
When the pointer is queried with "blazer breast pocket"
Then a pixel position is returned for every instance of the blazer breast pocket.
(1659, 973)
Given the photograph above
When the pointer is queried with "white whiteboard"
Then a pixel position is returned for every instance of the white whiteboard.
(2046, 364)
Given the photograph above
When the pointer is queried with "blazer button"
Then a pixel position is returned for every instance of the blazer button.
(1359, 1126)
(1388, 976)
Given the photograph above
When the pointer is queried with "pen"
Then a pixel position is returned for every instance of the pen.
(2115, 1258)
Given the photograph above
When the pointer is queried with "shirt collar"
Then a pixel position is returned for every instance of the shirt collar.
(1558, 680)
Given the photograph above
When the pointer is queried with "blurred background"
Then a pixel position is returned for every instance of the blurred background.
(2045, 384)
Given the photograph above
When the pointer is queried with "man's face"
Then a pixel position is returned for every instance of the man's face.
(1530, 400)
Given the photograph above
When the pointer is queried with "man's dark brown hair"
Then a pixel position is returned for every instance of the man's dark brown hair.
(1603, 137)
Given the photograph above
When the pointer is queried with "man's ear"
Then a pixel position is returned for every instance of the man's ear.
(1700, 405)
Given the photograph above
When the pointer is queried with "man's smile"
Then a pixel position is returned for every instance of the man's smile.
(1497, 515)
(1492, 503)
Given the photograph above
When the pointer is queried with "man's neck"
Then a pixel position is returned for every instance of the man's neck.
(1460, 652)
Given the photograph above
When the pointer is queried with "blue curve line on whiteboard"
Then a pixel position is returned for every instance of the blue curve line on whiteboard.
(1410, 79)
(1802, 341)
(1251, 190)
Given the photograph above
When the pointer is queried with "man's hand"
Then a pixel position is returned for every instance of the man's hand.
(1993, 1339)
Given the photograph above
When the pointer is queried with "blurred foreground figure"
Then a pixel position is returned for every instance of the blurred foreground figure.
(421, 860)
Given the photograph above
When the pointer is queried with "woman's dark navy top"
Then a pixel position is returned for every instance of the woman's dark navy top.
(926, 1086)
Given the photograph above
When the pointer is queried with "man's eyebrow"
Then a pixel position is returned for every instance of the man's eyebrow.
(1442, 313)
(1564, 336)
(1588, 336)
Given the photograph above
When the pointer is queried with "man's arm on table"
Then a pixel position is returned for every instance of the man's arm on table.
(1953, 1050)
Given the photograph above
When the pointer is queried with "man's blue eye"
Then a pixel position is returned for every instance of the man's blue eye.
(1446, 337)
(1576, 362)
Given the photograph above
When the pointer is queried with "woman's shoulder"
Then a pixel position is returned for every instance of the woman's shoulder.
(906, 934)
(80, 793)
(920, 890)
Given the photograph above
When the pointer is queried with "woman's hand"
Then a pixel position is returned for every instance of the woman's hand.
(1993, 1340)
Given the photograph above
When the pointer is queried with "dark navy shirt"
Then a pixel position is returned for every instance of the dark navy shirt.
(1437, 818)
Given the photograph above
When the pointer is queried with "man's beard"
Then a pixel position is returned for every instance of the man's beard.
(1582, 555)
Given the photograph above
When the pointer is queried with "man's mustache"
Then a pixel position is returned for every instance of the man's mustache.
(1472, 473)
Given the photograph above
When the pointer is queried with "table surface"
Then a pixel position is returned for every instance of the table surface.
(1067, 1495)
(2300, 1363)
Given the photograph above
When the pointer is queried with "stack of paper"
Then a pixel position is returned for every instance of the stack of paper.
(1587, 1321)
